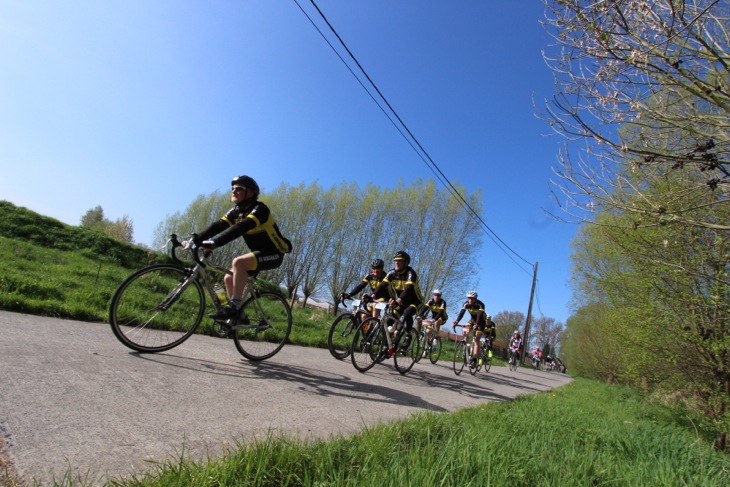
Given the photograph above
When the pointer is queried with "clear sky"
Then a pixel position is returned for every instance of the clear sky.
(141, 105)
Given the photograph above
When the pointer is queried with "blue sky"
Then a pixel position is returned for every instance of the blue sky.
(140, 106)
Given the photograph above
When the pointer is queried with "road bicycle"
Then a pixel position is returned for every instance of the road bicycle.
(430, 341)
(514, 359)
(160, 306)
(464, 351)
(377, 339)
(484, 360)
(339, 338)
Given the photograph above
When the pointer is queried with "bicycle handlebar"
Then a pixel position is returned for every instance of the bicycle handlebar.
(192, 248)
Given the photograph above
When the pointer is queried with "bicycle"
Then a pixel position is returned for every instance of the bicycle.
(514, 359)
(339, 338)
(430, 341)
(484, 360)
(463, 352)
(377, 339)
(160, 306)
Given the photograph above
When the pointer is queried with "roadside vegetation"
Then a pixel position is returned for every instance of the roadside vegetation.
(584, 433)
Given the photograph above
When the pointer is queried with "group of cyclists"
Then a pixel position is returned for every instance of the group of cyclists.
(400, 289)
(252, 220)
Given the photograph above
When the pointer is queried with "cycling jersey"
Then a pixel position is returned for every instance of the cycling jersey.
(253, 222)
(373, 281)
(515, 343)
(405, 286)
(438, 309)
(476, 311)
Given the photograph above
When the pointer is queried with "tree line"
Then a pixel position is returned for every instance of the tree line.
(643, 86)
(338, 231)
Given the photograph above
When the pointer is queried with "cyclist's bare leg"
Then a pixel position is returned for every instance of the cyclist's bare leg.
(477, 339)
(236, 282)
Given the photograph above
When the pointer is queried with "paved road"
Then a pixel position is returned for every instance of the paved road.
(73, 400)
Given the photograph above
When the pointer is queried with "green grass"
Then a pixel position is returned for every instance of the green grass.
(582, 434)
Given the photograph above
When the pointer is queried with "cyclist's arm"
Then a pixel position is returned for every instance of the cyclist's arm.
(358, 288)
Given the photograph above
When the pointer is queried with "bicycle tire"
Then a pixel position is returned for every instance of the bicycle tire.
(435, 353)
(487, 365)
(405, 359)
(367, 345)
(339, 338)
(459, 357)
(156, 308)
(270, 320)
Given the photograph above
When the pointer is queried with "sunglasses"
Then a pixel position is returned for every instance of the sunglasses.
(238, 188)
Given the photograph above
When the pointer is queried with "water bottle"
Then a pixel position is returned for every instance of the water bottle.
(220, 291)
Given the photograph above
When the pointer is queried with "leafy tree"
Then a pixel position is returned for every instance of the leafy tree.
(122, 229)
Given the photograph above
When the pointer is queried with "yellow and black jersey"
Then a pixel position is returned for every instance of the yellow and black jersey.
(476, 312)
(405, 286)
(254, 223)
(372, 281)
(437, 309)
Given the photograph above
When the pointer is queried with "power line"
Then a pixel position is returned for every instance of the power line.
(430, 163)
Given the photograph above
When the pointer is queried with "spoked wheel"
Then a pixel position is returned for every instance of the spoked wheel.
(156, 308)
(487, 365)
(339, 338)
(405, 357)
(268, 329)
(435, 350)
(368, 343)
(513, 362)
(459, 357)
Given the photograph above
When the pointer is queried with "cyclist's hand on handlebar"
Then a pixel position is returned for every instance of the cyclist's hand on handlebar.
(207, 246)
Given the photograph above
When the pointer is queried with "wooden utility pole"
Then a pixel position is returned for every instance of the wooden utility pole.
(526, 336)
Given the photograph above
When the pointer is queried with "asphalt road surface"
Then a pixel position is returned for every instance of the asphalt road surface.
(75, 402)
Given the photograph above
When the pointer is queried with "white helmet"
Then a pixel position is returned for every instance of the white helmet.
(437, 291)
(488, 316)
(471, 294)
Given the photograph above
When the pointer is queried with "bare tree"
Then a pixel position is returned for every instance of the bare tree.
(644, 85)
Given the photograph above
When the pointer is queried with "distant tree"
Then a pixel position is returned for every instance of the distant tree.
(506, 322)
(94, 218)
(122, 229)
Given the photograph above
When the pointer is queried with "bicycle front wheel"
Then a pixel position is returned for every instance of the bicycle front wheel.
(157, 308)
(339, 338)
(367, 344)
(269, 317)
(435, 350)
(459, 357)
(406, 356)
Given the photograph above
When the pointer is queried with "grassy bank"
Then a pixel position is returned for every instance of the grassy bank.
(581, 434)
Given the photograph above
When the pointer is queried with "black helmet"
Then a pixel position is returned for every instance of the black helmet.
(402, 255)
(246, 182)
(377, 264)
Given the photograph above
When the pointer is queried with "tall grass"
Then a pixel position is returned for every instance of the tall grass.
(582, 434)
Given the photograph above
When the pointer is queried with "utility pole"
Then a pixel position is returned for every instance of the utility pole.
(526, 338)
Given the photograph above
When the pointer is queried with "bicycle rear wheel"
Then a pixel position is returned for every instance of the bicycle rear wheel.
(270, 324)
(157, 308)
(339, 338)
(368, 343)
(405, 357)
(435, 350)
(459, 357)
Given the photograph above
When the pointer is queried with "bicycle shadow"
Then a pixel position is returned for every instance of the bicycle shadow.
(308, 380)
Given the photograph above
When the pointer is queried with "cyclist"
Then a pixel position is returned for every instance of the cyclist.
(477, 320)
(251, 219)
(372, 279)
(437, 307)
(536, 357)
(408, 298)
(515, 345)
(490, 331)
